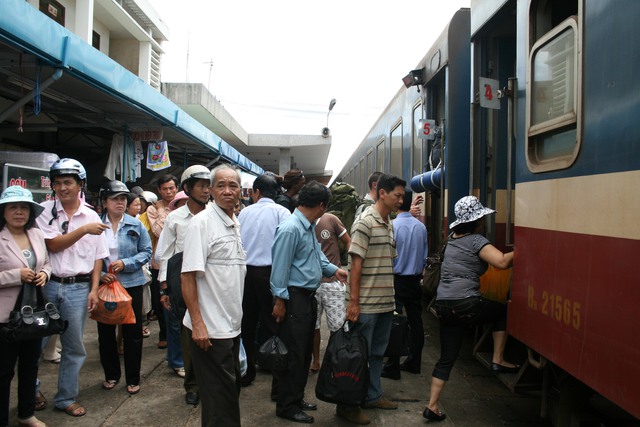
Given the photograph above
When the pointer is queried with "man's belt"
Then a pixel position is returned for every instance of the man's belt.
(80, 278)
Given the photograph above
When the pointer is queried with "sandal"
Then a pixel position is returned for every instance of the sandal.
(74, 410)
(146, 333)
(109, 384)
(133, 389)
(41, 402)
(31, 422)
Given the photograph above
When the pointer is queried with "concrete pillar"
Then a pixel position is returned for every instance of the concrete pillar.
(284, 163)
(84, 20)
(144, 62)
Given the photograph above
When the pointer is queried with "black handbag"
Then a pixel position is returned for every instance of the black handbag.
(33, 317)
(400, 338)
(272, 355)
(344, 374)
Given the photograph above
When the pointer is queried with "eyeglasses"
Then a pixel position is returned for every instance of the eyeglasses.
(65, 227)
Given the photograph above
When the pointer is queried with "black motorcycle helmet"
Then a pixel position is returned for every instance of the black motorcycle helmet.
(112, 189)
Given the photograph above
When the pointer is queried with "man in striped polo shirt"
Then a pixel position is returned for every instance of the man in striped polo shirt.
(370, 294)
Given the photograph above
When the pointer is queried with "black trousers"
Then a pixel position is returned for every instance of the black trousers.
(297, 334)
(408, 294)
(257, 306)
(27, 354)
(156, 305)
(131, 340)
(218, 371)
(455, 316)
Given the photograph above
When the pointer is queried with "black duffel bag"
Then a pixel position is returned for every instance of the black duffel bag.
(33, 317)
(344, 375)
(400, 338)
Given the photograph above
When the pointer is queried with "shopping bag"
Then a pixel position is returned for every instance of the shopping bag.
(495, 284)
(400, 338)
(272, 355)
(344, 374)
(114, 305)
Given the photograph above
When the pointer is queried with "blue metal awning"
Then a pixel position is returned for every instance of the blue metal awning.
(29, 30)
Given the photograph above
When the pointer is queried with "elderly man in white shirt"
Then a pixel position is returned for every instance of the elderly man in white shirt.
(213, 272)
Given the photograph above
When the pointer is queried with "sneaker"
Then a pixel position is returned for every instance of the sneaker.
(353, 415)
(381, 404)
(179, 372)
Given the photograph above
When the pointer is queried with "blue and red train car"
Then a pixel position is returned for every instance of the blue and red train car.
(538, 107)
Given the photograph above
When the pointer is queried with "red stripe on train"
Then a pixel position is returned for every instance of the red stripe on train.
(576, 301)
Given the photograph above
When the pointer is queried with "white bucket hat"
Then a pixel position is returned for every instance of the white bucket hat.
(17, 194)
(469, 209)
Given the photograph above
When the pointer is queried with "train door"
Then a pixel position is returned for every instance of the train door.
(493, 156)
(435, 110)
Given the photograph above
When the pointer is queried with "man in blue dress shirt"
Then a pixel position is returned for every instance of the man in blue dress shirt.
(411, 244)
(298, 266)
(258, 227)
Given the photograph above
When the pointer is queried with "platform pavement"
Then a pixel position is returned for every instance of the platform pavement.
(473, 397)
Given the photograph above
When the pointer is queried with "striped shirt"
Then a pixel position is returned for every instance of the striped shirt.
(372, 240)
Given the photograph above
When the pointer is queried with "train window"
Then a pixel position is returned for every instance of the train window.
(553, 94)
(356, 179)
(369, 170)
(416, 150)
(363, 176)
(396, 150)
(380, 167)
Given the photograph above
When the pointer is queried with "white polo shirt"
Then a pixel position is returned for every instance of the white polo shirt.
(213, 249)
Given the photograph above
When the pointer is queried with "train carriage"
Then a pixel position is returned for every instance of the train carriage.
(538, 104)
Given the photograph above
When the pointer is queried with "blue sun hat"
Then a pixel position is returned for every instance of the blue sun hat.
(17, 194)
(469, 209)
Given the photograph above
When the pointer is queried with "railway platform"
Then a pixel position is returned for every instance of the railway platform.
(474, 397)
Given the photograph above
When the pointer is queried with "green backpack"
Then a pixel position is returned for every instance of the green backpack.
(343, 203)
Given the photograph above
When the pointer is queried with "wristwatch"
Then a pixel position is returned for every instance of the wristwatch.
(163, 292)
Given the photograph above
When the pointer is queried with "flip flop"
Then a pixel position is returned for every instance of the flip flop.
(133, 389)
(41, 402)
(74, 410)
(109, 384)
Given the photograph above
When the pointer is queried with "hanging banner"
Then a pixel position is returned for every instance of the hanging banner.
(146, 135)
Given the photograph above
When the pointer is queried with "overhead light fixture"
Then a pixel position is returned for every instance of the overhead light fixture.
(325, 130)
(414, 78)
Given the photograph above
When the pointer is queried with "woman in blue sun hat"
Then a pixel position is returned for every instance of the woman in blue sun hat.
(459, 302)
(23, 259)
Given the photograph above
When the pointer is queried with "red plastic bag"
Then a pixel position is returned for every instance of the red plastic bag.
(114, 305)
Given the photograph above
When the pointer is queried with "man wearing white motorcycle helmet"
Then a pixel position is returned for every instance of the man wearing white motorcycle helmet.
(76, 243)
(196, 183)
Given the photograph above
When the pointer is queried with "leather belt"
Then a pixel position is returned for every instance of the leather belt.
(80, 278)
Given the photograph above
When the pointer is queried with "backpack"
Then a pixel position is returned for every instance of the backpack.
(344, 374)
(174, 286)
(343, 203)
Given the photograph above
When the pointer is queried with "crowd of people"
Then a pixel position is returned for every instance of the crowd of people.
(218, 275)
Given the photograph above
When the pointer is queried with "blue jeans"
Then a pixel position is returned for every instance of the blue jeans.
(174, 344)
(376, 328)
(71, 300)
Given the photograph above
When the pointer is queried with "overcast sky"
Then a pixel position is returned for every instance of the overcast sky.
(276, 65)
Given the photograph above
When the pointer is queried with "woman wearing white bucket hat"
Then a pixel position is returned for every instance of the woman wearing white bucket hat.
(459, 302)
(23, 259)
